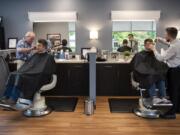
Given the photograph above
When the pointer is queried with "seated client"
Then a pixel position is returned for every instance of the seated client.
(124, 46)
(150, 73)
(27, 80)
(64, 46)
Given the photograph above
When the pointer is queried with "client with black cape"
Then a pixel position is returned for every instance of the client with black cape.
(36, 72)
(147, 69)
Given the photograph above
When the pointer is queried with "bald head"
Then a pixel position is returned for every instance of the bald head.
(29, 37)
(31, 34)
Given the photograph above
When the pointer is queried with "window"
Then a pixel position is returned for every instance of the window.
(72, 36)
(140, 29)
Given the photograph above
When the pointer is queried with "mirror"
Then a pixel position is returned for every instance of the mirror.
(55, 32)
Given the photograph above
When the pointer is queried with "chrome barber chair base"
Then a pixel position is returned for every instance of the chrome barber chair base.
(37, 113)
(151, 114)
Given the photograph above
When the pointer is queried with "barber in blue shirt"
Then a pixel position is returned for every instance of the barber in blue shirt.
(24, 48)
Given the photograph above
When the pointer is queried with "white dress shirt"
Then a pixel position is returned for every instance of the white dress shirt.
(163, 41)
(134, 45)
(172, 55)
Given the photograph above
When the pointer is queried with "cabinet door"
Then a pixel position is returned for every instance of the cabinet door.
(106, 79)
(72, 80)
(77, 79)
(61, 81)
(124, 81)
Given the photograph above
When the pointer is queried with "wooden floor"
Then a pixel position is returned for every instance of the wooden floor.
(76, 123)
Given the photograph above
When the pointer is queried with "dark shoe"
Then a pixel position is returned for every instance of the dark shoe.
(10, 102)
(168, 116)
(178, 111)
(6, 104)
(3, 100)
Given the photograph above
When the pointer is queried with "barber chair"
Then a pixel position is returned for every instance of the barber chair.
(4, 72)
(39, 107)
(145, 108)
(34, 108)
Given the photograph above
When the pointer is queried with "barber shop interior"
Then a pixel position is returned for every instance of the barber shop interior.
(89, 67)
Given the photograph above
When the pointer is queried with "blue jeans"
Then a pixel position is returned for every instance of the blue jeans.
(12, 92)
(160, 85)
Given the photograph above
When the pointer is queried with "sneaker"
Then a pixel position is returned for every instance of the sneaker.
(10, 102)
(22, 104)
(3, 100)
(166, 101)
(7, 104)
(168, 115)
(156, 101)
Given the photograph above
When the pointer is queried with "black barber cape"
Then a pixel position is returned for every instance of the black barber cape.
(35, 73)
(147, 69)
(124, 49)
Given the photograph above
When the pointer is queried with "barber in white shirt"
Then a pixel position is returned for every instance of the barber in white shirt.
(133, 43)
(172, 57)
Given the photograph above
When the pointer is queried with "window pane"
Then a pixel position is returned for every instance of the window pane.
(154, 26)
(72, 45)
(72, 35)
(121, 26)
(71, 26)
(72, 40)
(142, 25)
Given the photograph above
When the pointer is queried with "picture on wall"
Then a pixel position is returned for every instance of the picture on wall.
(55, 39)
(12, 43)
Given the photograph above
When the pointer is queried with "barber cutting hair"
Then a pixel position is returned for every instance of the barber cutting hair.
(25, 48)
(172, 57)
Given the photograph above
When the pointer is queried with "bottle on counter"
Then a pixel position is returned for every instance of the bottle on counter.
(61, 55)
(56, 54)
(66, 54)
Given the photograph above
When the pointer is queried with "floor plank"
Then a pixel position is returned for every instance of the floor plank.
(76, 123)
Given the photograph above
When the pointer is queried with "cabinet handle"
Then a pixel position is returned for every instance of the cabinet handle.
(108, 66)
(77, 66)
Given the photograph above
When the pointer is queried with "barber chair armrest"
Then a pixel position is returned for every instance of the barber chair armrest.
(50, 85)
(133, 82)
